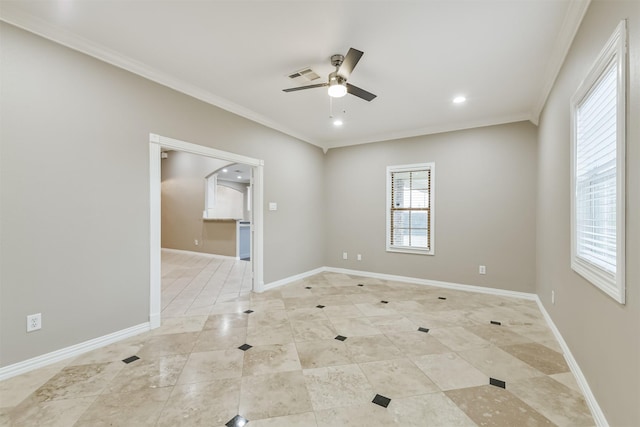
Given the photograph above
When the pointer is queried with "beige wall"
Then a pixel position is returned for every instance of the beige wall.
(603, 335)
(74, 191)
(484, 206)
(219, 237)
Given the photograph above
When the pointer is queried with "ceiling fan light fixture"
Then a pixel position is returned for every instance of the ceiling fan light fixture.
(337, 83)
(337, 89)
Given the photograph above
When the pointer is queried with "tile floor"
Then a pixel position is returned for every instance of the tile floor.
(330, 350)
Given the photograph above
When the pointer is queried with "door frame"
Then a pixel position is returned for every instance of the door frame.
(156, 144)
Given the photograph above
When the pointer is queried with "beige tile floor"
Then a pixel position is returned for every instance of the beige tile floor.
(191, 371)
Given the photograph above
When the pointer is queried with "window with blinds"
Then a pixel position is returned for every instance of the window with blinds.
(410, 208)
(598, 112)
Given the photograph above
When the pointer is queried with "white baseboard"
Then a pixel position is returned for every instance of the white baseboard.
(439, 284)
(414, 280)
(186, 252)
(72, 351)
(596, 411)
(154, 320)
(294, 278)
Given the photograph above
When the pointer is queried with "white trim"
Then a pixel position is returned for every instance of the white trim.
(431, 167)
(155, 320)
(405, 279)
(257, 228)
(155, 259)
(257, 220)
(431, 130)
(16, 17)
(570, 25)
(186, 252)
(201, 150)
(73, 41)
(71, 351)
(436, 283)
(210, 195)
(293, 278)
(614, 51)
(596, 412)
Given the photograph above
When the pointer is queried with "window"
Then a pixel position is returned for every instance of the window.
(597, 170)
(410, 208)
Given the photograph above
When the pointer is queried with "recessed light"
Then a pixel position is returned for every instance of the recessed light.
(239, 176)
(224, 170)
(337, 122)
(459, 99)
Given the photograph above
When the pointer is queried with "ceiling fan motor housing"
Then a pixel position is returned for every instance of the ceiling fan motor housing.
(336, 60)
(335, 78)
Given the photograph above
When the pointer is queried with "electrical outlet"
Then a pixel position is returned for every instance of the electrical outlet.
(482, 269)
(34, 322)
(345, 255)
(553, 297)
(359, 257)
(196, 242)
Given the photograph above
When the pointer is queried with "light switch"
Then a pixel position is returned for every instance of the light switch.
(273, 206)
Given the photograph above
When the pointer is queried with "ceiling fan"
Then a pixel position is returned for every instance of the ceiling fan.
(337, 82)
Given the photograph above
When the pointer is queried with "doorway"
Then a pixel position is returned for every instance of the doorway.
(159, 143)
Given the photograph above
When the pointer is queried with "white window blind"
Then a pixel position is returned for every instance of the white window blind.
(596, 174)
(598, 159)
(410, 208)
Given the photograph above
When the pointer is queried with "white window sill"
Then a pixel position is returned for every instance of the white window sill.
(411, 251)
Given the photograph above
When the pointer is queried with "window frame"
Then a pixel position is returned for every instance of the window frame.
(431, 216)
(614, 52)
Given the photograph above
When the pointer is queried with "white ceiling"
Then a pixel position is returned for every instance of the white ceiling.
(501, 54)
(235, 172)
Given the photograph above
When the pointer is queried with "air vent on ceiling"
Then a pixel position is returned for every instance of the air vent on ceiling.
(305, 73)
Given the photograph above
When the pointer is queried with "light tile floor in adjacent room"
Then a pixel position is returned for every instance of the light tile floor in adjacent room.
(330, 350)
(192, 283)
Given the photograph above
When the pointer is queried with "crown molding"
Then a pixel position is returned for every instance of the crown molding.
(27, 22)
(14, 16)
(570, 25)
(431, 130)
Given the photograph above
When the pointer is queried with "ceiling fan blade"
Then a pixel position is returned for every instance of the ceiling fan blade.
(293, 89)
(349, 63)
(360, 93)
